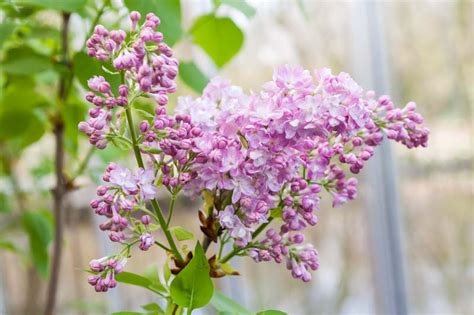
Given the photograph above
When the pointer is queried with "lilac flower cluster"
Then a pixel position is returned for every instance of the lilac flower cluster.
(126, 192)
(279, 148)
(144, 61)
(262, 157)
(104, 270)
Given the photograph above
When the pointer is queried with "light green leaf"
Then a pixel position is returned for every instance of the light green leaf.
(153, 307)
(137, 280)
(86, 67)
(181, 233)
(6, 30)
(192, 288)
(242, 6)
(24, 60)
(151, 273)
(220, 38)
(167, 271)
(133, 279)
(192, 76)
(8, 245)
(225, 304)
(39, 227)
(128, 313)
(5, 206)
(169, 12)
(272, 312)
(60, 5)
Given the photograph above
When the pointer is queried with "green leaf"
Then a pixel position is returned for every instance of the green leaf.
(86, 67)
(20, 126)
(6, 30)
(8, 245)
(242, 6)
(60, 5)
(137, 280)
(18, 97)
(5, 206)
(133, 279)
(192, 288)
(271, 312)
(181, 233)
(119, 141)
(151, 273)
(39, 227)
(225, 304)
(24, 60)
(192, 76)
(220, 38)
(72, 114)
(167, 271)
(169, 12)
(153, 307)
(128, 313)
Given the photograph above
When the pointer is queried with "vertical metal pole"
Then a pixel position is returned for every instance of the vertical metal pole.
(371, 69)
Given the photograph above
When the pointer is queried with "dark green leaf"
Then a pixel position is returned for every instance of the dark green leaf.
(192, 76)
(220, 38)
(169, 12)
(60, 5)
(73, 113)
(271, 312)
(225, 304)
(192, 288)
(24, 60)
(21, 126)
(242, 6)
(86, 67)
(181, 233)
(39, 227)
(21, 94)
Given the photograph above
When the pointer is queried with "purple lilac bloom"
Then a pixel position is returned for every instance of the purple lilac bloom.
(266, 155)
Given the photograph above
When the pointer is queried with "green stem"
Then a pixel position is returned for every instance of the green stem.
(254, 235)
(84, 162)
(232, 254)
(136, 149)
(162, 222)
(261, 228)
(171, 208)
(163, 246)
(154, 203)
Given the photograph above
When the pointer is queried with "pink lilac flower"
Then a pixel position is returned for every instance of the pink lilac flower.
(266, 155)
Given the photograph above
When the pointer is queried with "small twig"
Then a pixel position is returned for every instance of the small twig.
(163, 246)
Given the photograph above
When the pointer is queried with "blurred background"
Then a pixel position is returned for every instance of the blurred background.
(404, 246)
